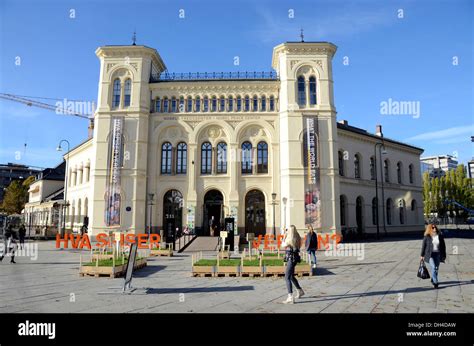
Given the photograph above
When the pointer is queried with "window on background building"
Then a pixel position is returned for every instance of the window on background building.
(399, 172)
(389, 211)
(173, 104)
(272, 103)
(374, 210)
(116, 94)
(205, 104)
(181, 104)
(166, 105)
(181, 158)
(247, 104)
(127, 93)
(189, 107)
(357, 166)
(262, 157)
(206, 158)
(221, 158)
(239, 104)
(246, 158)
(222, 104)
(312, 90)
(230, 104)
(263, 104)
(372, 168)
(410, 173)
(158, 105)
(197, 104)
(386, 171)
(213, 104)
(255, 104)
(340, 158)
(301, 92)
(166, 149)
(342, 209)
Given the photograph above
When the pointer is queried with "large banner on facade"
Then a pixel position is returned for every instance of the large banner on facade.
(113, 189)
(312, 202)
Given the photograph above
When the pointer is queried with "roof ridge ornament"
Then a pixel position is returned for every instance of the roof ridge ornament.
(134, 38)
(302, 35)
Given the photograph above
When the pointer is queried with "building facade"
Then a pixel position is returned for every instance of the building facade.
(188, 150)
(438, 165)
(12, 171)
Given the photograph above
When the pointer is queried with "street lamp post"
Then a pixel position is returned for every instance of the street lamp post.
(150, 199)
(274, 202)
(63, 221)
(376, 185)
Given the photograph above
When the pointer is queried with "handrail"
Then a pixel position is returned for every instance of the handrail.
(177, 76)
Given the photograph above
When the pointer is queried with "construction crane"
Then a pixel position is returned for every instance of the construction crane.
(27, 100)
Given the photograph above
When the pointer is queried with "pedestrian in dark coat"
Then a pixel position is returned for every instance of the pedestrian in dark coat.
(433, 251)
(21, 235)
(311, 244)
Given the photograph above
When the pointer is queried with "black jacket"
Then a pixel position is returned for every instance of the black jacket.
(311, 242)
(427, 248)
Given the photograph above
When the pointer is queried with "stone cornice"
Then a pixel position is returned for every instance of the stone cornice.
(131, 52)
(302, 48)
(218, 87)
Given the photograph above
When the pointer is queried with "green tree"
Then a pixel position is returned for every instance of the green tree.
(16, 195)
(427, 205)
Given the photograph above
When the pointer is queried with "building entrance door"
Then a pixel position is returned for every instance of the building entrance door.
(172, 214)
(213, 212)
(255, 212)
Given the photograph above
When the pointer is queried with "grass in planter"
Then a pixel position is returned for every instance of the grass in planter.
(108, 262)
(278, 262)
(206, 263)
(251, 263)
(229, 262)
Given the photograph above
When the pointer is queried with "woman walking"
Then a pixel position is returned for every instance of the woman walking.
(433, 251)
(292, 243)
(311, 245)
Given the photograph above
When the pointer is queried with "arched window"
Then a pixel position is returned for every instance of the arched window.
(386, 171)
(239, 104)
(182, 158)
(312, 90)
(357, 166)
(221, 158)
(410, 173)
(272, 103)
(189, 107)
(372, 168)
(340, 159)
(116, 94)
(230, 104)
(413, 205)
(206, 158)
(375, 211)
(301, 92)
(197, 104)
(166, 158)
(262, 157)
(79, 211)
(246, 158)
(401, 211)
(247, 104)
(255, 104)
(127, 93)
(399, 172)
(174, 105)
(389, 211)
(181, 104)
(214, 104)
(158, 105)
(222, 104)
(263, 104)
(205, 105)
(414, 209)
(166, 105)
(342, 209)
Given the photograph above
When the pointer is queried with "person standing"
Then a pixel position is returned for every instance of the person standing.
(433, 251)
(311, 245)
(21, 235)
(9, 244)
(292, 244)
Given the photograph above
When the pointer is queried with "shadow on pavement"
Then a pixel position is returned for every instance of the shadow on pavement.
(197, 289)
(147, 271)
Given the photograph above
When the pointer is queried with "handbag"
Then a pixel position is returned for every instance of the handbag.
(423, 271)
(292, 255)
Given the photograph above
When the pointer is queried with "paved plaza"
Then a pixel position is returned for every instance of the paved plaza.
(383, 282)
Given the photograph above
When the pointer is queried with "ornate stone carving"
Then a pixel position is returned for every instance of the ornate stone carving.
(109, 66)
(214, 132)
(293, 63)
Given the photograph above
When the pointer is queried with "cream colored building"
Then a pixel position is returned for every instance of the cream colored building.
(176, 150)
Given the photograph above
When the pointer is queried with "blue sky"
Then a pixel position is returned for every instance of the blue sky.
(403, 59)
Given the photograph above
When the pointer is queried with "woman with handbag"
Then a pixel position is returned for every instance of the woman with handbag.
(433, 251)
(292, 244)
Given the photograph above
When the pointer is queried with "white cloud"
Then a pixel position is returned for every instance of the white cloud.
(451, 135)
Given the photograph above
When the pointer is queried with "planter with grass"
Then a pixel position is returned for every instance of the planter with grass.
(162, 251)
(228, 267)
(204, 267)
(113, 267)
(251, 267)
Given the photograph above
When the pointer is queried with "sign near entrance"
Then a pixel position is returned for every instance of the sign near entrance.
(312, 202)
(223, 234)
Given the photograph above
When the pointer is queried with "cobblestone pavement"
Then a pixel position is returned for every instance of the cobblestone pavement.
(383, 282)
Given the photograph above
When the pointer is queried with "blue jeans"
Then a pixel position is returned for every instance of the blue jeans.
(312, 254)
(434, 263)
(290, 276)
